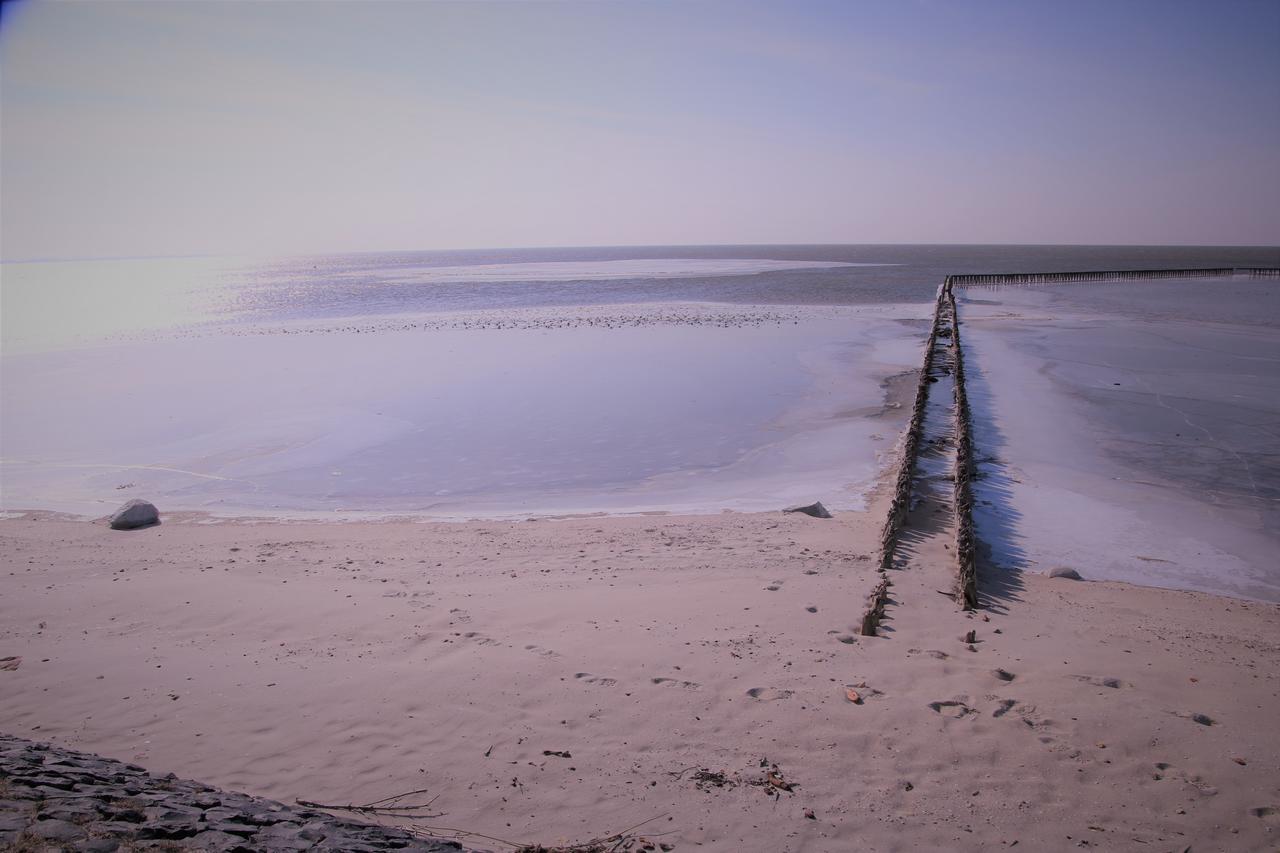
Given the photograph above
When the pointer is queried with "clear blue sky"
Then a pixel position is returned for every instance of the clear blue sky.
(164, 128)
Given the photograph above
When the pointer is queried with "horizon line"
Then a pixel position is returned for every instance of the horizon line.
(309, 254)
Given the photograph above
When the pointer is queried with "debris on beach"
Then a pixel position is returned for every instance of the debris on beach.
(704, 778)
(776, 780)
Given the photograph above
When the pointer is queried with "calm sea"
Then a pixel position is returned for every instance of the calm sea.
(67, 301)
(456, 384)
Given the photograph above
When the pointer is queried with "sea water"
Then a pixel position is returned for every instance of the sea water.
(461, 384)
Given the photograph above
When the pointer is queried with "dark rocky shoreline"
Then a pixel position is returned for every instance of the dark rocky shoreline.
(54, 799)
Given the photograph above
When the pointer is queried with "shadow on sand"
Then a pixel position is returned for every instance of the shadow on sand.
(996, 519)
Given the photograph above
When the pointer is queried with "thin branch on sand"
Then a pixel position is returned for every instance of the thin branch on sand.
(395, 807)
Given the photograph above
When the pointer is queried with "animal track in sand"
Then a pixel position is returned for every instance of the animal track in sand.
(768, 694)
(1164, 770)
(674, 682)
(1097, 681)
(600, 680)
(1270, 814)
(847, 639)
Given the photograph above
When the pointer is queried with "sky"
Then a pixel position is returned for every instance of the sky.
(138, 129)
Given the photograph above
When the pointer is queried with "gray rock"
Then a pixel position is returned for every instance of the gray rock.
(71, 810)
(282, 837)
(98, 845)
(134, 514)
(1065, 572)
(56, 830)
(213, 840)
(232, 827)
(816, 509)
(12, 823)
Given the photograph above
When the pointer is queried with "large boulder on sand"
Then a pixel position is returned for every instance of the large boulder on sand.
(1065, 572)
(817, 510)
(135, 513)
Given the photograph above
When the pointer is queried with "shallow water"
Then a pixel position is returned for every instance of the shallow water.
(480, 382)
(462, 421)
(1129, 430)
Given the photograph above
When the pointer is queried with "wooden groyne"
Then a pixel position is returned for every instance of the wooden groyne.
(946, 328)
(900, 503)
(962, 501)
(1027, 278)
(978, 280)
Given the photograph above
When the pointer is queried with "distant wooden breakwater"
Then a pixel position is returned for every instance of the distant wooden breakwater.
(984, 279)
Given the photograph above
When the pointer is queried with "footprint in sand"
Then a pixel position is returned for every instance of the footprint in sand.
(933, 653)
(480, 639)
(1271, 814)
(847, 639)
(1027, 713)
(675, 682)
(539, 650)
(955, 708)
(599, 680)
(768, 694)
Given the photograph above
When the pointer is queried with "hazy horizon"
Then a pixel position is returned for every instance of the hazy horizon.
(212, 129)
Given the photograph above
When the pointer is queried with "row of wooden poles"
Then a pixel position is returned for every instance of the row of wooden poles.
(946, 323)
(900, 503)
(962, 498)
(977, 280)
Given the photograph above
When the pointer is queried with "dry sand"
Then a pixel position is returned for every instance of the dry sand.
(342, 662)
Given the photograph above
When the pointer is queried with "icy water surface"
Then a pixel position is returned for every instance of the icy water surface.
(481, 382)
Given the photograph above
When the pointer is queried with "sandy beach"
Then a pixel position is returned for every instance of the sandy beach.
(563, 679)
